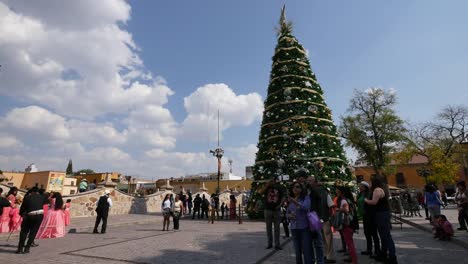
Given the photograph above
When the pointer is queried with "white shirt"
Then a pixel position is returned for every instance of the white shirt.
(109, 200)
(330, 202)
(167, 204)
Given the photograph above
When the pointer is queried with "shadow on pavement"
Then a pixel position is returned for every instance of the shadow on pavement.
(234, 248)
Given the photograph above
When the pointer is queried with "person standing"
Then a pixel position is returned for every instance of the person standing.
(177, 211)
(223, 209)
(53, 224)
(299, 206)
(166, 207)
(273, 199)
(32, 213)
(382, 219)
(368, 220)
(83, 187)
(345, 202)
(196, 206)
(461, 198)
(66, 209)
(5, 216)
(5, 207)
(232, 207)
(284, 218)
(432, 200)
(102, 210)
(204, 207)
(190, 203)
(321, 203)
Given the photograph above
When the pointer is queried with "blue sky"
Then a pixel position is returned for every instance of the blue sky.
(417, 48)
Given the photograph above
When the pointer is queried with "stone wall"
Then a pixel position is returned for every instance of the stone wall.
(84, 204)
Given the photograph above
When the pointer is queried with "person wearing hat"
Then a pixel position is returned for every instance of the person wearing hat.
(367, 213)
(83, 185)
(102, 210)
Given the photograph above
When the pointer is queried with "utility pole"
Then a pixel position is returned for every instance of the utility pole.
(218, 153)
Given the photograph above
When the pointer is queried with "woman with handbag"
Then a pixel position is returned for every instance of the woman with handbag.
(347, 213)
(298, 208)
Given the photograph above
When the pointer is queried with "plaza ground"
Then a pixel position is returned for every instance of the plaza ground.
(139, 239)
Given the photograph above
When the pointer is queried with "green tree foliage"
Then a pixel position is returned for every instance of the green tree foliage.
(297, 129)
(85, 171)
(373, 128)
(69, 170)
(443, 141)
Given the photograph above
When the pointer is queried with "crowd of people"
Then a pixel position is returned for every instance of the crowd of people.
(307, 198)
(39, 215)
(200, 207)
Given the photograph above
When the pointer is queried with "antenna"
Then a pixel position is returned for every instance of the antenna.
(218, 127)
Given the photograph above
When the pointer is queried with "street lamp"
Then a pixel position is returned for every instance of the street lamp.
(424, 172)
(218, 153)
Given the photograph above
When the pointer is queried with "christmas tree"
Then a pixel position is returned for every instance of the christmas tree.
(297, 130)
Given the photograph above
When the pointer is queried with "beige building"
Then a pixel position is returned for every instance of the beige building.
(13, 178)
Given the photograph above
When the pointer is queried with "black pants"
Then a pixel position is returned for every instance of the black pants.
(285, 227)
(222, 214)
(176, 219)
(370, 231)
(463, 218)
(204, 212)
(29, 228)
(100, 217)
(196, 210)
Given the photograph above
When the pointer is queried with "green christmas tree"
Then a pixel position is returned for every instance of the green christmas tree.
(297, 129)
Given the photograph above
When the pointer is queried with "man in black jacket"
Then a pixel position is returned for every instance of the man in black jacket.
(102, 210)
(32, 213)
(196, 206)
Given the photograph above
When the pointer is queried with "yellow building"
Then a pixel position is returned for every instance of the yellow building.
(99, 177)
(51, 181)
(194, 185)
(13, 178)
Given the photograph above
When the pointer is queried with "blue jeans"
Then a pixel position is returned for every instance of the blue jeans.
(317, 247)
(302, 245)
(383, 226)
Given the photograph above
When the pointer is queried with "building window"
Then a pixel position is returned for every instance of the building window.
(72, 183)
(359, 178)
(72, 191)
(400, 179)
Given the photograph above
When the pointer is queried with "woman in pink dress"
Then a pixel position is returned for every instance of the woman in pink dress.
(5, 220)
(14, 224)
(53, 224)
(15, 217)
(67, 212)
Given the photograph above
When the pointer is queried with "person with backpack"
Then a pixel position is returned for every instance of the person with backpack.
(347, 207)
(102, 210)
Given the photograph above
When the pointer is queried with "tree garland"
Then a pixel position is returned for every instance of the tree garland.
(297, 118)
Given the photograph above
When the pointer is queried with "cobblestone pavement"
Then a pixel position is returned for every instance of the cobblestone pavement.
(412, 246)
(196, 242)
(201, 242)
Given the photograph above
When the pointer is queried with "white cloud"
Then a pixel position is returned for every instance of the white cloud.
(242, 157)
(79, 69)
(37, 121)
(235, 110)
(89, 97)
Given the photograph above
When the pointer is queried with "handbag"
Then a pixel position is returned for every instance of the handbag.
(337, 220)
(314, 221)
